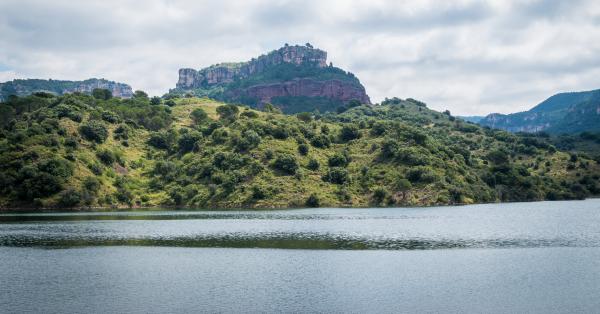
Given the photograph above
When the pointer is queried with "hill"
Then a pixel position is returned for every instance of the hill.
(294, 78)
(76, 150)
(561, 113)
(57, 87)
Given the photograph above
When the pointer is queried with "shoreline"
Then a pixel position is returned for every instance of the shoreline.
(33, 210)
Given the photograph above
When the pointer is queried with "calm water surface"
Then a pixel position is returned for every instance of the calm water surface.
(500, 258)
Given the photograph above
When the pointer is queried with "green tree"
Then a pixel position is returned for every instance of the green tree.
(94, 131)
(286, 163)
(199, 115)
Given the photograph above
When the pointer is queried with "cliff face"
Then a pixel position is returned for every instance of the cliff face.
(291, 71)
(561, 113)
(30, 86)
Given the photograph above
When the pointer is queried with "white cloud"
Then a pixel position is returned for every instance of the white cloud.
(471, 57)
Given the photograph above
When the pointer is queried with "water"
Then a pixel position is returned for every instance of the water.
(500, 258)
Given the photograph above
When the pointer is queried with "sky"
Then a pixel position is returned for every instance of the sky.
(470, 57)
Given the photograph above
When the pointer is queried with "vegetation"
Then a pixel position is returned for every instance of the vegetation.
(89, 150)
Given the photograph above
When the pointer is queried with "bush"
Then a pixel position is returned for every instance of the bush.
(337, 176)
(91, 184)
(303, 149)
(349, 132)
(379, 195)
(313, 201)
(313, 164)
(304, 117)
(110, 117)
(187, 142)
(247, 141)
(259, 192)
(338, 160)
(228, 113)
(286, 163)
(94, 131)
(155, 101)
(421, 175)
(69, 198)
(199, 115)
(106, 156)
(320, 141)
(101, 93)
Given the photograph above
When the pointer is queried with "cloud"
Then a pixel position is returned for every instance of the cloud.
(471, 57)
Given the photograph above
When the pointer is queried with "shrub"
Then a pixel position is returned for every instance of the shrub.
(338, 160)
(379, 195)
(110, 117)
(259, 192)
(69, 198)
(198, 115)
(247, 141)
(303, 149)
(313, 201)
(286, 163)
(421, 175)
(94, 131)
(337, 176)
(320, 141)
(101, 93)
(349, 132)
(155, 101)
(313, 164)
(106, 156)
(304, 117)
(91, 184)
(187, 142)
(228, 113)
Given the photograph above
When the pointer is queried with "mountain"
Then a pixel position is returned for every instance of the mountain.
(30, 86)
(561, 113)
(78, 150)
(474, 119)
(294, 78)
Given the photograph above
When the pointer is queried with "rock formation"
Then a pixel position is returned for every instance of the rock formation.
(30, 86)
(291, 71)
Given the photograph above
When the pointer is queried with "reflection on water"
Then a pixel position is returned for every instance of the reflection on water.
(543, 224)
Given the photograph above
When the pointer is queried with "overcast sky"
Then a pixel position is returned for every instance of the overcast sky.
(471, 57)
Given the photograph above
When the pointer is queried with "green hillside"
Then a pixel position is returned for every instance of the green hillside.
(77, 151)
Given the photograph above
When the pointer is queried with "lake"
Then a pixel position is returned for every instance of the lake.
(496, 258)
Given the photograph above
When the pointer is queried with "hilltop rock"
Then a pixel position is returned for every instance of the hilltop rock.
(278, 77)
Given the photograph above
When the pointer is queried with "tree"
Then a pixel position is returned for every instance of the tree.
(304, 117)
(199, 115)
(69, 198)
(379, 195)
(228, 113)
(101, 93)
(303, 149)
(155, 101)
(402, 185)
(94, 131)
(349, 132)
(286, 163)
(336, 175)
(140, 94)
(187, 141)
(313, 201)
(338, 160)
(313, 164)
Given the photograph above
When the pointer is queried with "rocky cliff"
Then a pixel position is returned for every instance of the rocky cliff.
(291, 71)
(29, 86)
(561, 113)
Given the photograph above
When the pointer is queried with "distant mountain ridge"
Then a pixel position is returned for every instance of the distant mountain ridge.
(295, 78)
(59, 87)
(572, 112)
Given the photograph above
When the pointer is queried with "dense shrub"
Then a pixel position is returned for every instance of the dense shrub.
(313, 201)
(349, 132)
(303, 149)
(336, 176)
(94, 131)
(286, 163)
(198, 115)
